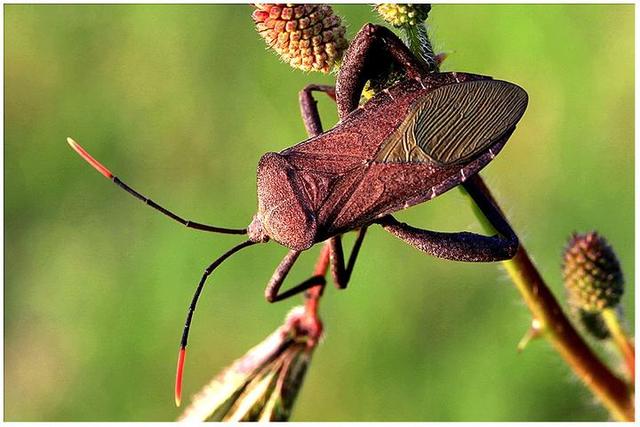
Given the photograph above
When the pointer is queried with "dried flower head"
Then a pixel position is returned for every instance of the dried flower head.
(307, 36)
(263, 384)
(400, 15)
(592, 275)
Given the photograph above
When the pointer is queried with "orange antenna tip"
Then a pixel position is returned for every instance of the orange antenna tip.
(181, 356)
(87, 157)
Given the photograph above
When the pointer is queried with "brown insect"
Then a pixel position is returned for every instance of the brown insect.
(410, 143)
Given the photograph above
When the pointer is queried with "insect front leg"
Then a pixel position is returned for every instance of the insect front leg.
(340, 274)
(309, 106)
(371, 50)
(462, 246)
(273, 287)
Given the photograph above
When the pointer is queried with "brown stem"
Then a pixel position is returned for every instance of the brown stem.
(551, 322)
(312, 296)
(311, 321)
(611, 390)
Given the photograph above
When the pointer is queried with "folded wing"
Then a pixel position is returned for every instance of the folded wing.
(455, 123)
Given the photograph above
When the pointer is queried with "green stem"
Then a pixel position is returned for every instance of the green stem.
(620, 338)
(553, 325)
(548, 317)
(417, 39)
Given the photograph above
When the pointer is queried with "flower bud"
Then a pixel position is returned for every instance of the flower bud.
(410, 18)
(593, 281)
(592, 274)
(400, 15)
(307, 36)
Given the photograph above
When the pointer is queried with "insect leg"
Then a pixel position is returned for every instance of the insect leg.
(462, 246)
(313, 124)
(309, 107)
(271, 291)
(372, 47)
(340, 274)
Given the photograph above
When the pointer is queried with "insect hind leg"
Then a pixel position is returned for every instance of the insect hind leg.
(463, 246)
(373, 45)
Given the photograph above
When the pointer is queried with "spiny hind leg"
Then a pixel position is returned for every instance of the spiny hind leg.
(368, 57)
(461, 246)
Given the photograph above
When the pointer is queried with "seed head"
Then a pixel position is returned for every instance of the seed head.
(307, 36)
(592, 275)
(400, 15)
(263, 384)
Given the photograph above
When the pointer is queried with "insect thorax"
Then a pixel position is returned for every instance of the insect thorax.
(282, 210)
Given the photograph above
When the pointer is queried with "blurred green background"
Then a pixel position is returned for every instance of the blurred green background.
(180, 102)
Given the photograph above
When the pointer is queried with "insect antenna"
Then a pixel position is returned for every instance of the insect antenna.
(107, 174)
(187, 324)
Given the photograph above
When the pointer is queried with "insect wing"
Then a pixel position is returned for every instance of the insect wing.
(455, 123)
(448, 135)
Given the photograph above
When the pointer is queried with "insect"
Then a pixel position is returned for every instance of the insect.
(410, 143)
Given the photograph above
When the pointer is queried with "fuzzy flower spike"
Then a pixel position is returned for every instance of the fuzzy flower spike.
(307, 36)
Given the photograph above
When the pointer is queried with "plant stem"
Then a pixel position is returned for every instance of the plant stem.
(418, 42)
(548, 318)
(554, 326)
(622, 341)
(313, 295)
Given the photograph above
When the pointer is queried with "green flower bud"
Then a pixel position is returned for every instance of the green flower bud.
(400, 15)
(593, 281)
(592, 275)
(593, 323)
